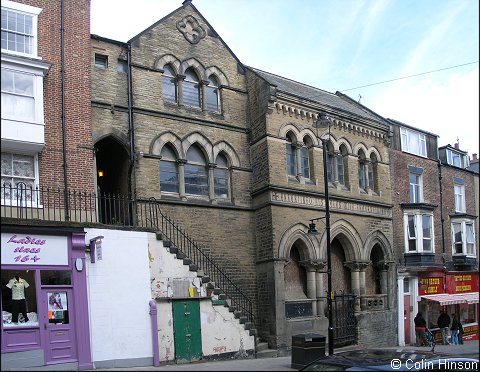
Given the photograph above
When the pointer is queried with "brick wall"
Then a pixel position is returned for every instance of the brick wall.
(77, 94)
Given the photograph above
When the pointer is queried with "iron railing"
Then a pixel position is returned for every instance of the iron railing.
(47, 204)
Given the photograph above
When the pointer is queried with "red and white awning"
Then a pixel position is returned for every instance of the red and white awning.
(452, 299)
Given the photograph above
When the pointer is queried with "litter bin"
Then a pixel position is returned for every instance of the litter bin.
(306, 348)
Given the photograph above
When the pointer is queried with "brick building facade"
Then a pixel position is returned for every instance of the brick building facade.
(434, 218)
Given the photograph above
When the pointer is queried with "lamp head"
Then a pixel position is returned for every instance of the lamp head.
(312, 229)
(323, 120)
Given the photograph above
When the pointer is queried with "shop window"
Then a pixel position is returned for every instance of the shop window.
(19, 298)
(49, 277)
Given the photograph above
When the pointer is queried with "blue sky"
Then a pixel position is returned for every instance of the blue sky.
(337, 45)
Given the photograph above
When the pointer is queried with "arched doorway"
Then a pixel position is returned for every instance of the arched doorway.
(112, 162)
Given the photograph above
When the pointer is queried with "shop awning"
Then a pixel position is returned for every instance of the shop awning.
(452, 299)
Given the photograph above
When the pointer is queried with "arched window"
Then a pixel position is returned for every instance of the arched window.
(212, 95)
(221, 177)
(362, 171)
(191, 89)
(372, 173)
(168, 170)
(196, 176)
(342, 166)
(291, 156)
(169, 84)
(305, 157)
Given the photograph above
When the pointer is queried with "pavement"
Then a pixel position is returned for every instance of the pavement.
(468, 349)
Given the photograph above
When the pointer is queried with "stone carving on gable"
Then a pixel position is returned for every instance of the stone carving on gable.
(191, 29)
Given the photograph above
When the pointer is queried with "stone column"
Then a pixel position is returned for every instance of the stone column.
(211, 182)
(357, 269)
(321, 266)
(181, 178)
(311, 284)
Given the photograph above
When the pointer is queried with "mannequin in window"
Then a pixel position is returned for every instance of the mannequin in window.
(18, 285)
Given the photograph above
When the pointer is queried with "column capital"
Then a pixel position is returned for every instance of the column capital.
(383, 265)
(313, 265)
(357, 265)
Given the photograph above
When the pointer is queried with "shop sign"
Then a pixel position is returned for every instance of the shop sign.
(462, 282)
(21, 249)
(430, 285)
(470, 332)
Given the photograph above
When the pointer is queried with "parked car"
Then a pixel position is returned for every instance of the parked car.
(392, 360)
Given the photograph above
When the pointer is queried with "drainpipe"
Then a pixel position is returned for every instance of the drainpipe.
(131, 180)
(64, 134)
(442, 221)
(153, 318)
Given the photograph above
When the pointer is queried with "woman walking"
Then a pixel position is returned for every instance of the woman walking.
(455, 329)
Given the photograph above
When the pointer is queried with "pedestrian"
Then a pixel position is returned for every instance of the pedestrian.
(443, 323)
(460, 333)
(455, 328)
(420, 326)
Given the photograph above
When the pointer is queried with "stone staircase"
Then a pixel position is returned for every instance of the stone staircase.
(220, 298)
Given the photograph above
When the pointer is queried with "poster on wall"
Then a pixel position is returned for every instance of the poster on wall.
(23, 249)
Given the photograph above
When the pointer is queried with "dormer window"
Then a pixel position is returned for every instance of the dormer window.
(457, 159)
(413, 142)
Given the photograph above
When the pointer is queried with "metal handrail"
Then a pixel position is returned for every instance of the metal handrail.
(48, 204)
(187, 246)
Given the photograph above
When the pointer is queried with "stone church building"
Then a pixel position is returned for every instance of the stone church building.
(233, 155)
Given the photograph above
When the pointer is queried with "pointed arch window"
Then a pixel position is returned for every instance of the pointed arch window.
(342, 166)
(191, 89)
(362, 171)
(212, 95)
(196, 175)
(372, 173)
(291, 155)
(305, 157)
(221, 176)
(169, 84)
(168, 170)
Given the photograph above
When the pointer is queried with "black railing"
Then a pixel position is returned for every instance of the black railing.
(23, 202)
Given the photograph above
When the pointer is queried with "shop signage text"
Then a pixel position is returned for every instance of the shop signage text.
(432, 285)
(462, 282)
(20, 249)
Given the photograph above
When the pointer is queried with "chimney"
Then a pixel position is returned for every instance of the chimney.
(456, 145)
(474, 157)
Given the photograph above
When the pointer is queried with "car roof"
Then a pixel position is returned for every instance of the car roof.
(370, 358)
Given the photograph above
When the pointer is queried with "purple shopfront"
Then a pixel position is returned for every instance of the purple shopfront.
(44, 298)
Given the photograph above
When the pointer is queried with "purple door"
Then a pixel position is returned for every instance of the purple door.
(59, 324)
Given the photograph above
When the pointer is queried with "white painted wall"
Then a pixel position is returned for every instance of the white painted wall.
(119, 295)
(221, 332)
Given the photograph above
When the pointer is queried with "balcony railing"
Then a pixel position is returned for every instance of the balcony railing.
(48, 204)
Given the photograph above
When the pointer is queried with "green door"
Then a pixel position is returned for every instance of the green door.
(186, 330)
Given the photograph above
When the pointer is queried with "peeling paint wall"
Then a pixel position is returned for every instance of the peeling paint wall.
(170, 278)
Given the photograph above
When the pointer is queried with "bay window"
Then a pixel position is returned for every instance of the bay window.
(419, 236)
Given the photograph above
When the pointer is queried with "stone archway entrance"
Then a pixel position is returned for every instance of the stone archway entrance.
(112, 162)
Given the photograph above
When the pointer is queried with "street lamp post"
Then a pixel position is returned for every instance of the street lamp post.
(322, 121)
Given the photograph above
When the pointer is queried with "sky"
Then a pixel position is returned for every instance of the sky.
(409, 60)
